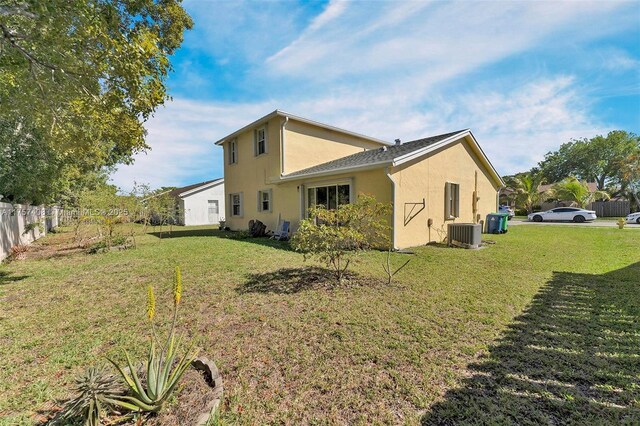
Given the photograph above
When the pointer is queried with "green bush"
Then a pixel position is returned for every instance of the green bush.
(335, 236)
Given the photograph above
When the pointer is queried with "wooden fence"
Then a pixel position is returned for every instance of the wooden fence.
(611, 208)
(19, 224)
(602, 208)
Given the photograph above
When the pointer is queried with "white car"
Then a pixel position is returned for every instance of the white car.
(507, 210)
(634, 218)
(563, 214)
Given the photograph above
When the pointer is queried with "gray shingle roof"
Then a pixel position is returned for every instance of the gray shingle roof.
(373, 156)
(179, 191)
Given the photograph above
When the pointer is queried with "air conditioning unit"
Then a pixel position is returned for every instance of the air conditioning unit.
(467, 235)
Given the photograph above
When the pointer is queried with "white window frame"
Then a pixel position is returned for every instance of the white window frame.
(232, 204)
(315, 186)
(451, 200)
(233, 151)
(261, 200)
(257, 140)
(211, 203)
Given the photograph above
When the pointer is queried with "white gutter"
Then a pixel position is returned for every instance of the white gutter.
(282, 133)
(393, 208)
(201, 187)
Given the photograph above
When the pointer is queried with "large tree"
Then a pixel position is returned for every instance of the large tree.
(78, 78)
(599, 159)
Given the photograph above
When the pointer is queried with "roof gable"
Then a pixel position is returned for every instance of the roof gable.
(284, 114)
(394, 155)
(189, 189)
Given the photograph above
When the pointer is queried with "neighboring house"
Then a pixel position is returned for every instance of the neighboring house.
(279, 165)
(201, 203)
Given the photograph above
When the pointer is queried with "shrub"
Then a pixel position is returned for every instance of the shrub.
(32, 227)
(335, 236)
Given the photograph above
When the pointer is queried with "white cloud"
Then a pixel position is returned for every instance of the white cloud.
(618, 60)
(515, 128)
(333, 10)
(182, 136)
(389, 70)
(438, 40)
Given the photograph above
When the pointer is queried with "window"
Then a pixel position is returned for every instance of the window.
(331, 196)
(451, 200)
(233, 151)
(213, 211)
(264, 201)
(260, 140)
(236, 204)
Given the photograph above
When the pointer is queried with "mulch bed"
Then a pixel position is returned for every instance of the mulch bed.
(191, 399)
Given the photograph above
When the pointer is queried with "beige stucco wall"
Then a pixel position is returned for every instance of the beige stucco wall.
(289, 204)
(425, 178)
(306, 145)
(251, 173)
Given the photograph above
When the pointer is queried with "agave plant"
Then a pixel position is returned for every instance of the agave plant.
(163, 367)
(95, 389)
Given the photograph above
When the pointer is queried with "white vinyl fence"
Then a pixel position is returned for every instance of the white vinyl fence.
(15, 220)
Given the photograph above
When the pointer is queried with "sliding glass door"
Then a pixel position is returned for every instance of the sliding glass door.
(329, 196)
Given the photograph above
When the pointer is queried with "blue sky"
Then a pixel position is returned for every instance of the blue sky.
(524, 76)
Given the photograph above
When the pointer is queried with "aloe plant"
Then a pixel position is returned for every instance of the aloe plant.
(164, 367)
(95, 388)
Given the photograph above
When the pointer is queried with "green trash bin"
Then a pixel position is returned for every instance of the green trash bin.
(503, 222)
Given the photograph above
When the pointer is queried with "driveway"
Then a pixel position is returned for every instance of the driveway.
(596, 223)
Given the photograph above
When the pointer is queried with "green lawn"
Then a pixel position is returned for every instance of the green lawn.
(542, 327)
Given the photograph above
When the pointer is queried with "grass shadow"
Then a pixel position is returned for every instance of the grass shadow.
(8, 278)
(179, 232)
(229, 235)
(295, 280)
(571, 358)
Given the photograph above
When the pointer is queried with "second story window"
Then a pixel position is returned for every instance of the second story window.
(233, 151)
(260, 140)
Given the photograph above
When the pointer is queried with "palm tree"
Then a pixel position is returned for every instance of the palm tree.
(525, 187)
(571, 189)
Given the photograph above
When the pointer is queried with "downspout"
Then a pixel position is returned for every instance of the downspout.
(282, 133)
(393, 209)
(500, 188)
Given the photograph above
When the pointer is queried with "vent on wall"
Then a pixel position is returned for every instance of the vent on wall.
(467, 235)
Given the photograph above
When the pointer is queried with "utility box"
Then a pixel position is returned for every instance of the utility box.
(467, 235)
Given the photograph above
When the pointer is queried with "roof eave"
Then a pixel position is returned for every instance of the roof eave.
(200, 188)
(433, 147)
(302, 120)
(427, 149)
(363, 167)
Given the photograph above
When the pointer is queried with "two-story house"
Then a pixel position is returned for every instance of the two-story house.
(279, 165)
